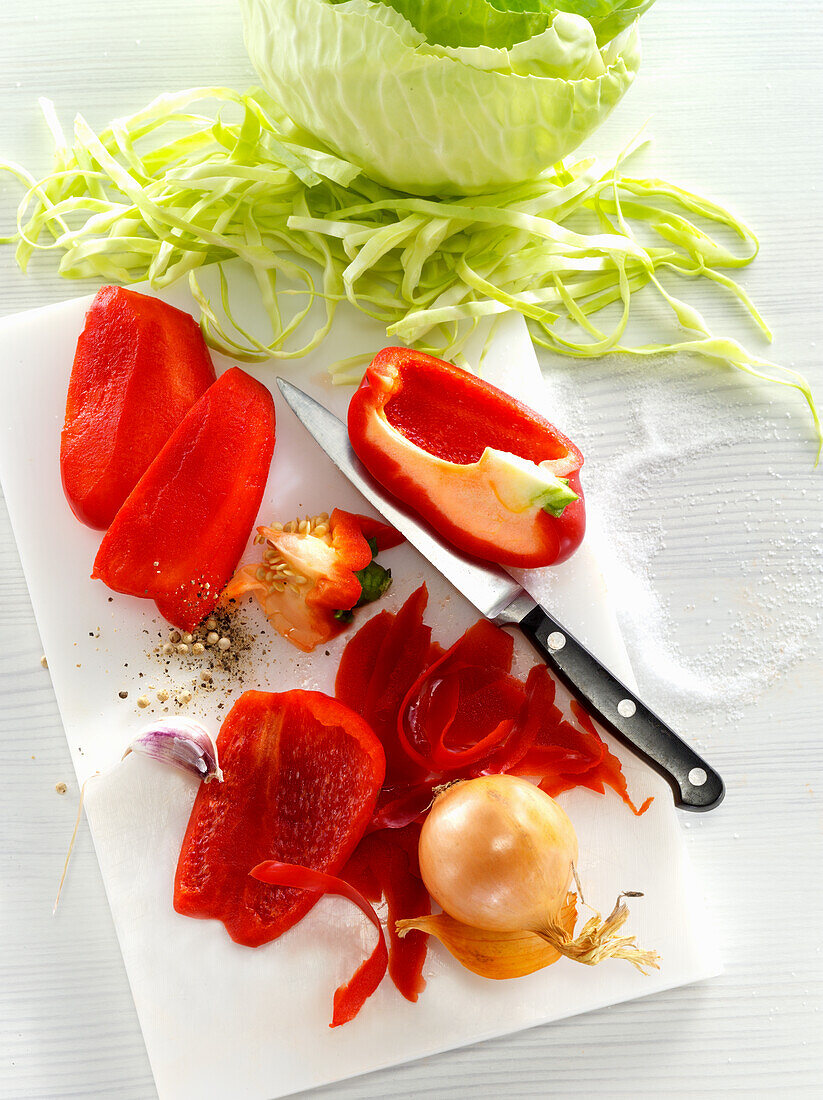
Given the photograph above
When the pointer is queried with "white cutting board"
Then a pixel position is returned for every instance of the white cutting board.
(221, 1020)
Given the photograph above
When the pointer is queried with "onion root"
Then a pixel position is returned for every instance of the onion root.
(598, 940)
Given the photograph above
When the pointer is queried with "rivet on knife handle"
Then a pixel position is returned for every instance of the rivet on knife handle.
(696, 785)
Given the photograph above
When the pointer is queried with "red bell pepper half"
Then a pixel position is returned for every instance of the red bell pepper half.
(179, 535)
(314, 572)
(301, 773)
(491, 475)
(139, 366)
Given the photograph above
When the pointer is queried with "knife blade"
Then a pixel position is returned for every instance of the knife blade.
(499, 597)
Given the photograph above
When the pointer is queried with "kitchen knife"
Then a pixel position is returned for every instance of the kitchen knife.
(499, 597)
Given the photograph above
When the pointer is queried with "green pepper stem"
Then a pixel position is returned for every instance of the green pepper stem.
(556, 499)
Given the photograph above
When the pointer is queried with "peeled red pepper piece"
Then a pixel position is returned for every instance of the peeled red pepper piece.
(501, 751)
(139, 366)
(463, 715)
(301, 773)
(491, 475)
(357, 663)
(348, 998)
(563, 756)
(359, 873)
(180, 534)
(395, 860)
(378, 667)
(539, 691)
(609, 771)
(385, 865)
(404, 652)
(390, 658)
(558, 752)
(465, 705)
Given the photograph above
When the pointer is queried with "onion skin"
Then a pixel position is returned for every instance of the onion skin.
(497, 853)
(497, 955)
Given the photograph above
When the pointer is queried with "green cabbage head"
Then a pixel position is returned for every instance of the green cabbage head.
(440, 97)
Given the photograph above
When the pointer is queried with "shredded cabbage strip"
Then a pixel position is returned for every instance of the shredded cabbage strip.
(168, 192)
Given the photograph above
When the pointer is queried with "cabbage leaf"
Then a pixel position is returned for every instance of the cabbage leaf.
(501, 24)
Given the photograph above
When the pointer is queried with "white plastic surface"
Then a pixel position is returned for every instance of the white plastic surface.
(218, 1019)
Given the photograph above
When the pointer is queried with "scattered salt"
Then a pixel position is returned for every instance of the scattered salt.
(670, 461)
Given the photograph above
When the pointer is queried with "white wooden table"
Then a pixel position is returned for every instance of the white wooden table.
(726, 537)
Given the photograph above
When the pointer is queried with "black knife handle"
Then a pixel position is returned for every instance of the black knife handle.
(696, 785)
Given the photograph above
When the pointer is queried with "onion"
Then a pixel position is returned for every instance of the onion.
(499, 854)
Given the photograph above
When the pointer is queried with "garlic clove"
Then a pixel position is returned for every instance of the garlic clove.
(182, 743)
